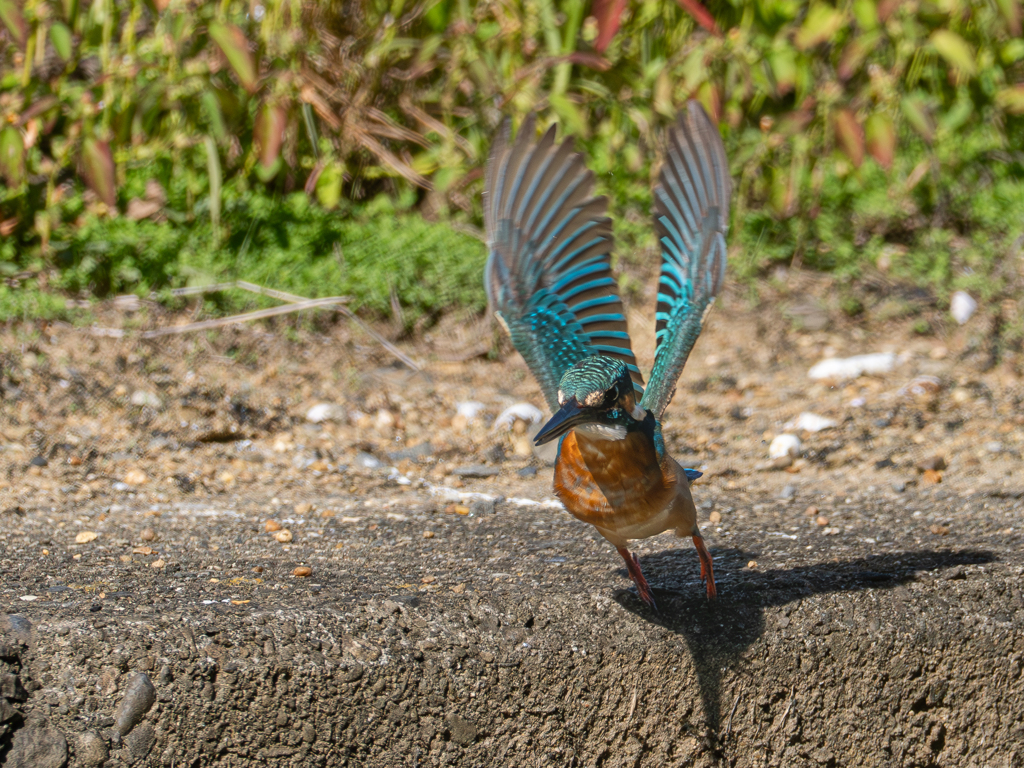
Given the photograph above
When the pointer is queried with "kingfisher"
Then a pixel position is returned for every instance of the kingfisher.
(549, 282)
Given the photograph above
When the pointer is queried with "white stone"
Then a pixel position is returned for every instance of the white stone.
(522, 411)
(782, 445)
(142, 397)
(322, 412)
(810, 422)
(851, 367)
(469, 409)
(962, 306)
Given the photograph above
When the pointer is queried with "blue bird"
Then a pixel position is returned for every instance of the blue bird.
(549, 281)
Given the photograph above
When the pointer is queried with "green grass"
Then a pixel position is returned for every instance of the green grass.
(381, 256)
(954, 230)
(28, 302)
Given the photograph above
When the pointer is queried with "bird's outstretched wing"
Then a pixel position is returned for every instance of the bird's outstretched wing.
(691, 216)
(548, 274)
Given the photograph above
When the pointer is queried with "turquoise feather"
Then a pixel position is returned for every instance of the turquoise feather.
(691, 214)
(548, 275)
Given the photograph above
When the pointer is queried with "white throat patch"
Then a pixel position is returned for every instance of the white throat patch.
(603, 431)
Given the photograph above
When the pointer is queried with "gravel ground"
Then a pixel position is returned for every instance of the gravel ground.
(196, 574)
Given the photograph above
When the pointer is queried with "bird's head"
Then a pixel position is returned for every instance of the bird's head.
(597, 396)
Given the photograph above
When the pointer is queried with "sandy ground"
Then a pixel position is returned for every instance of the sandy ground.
(395, 585)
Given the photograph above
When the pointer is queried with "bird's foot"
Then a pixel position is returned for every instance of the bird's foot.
(707, 572)
(637, 575)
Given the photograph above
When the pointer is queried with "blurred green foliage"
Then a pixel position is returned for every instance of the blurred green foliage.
(859, 132)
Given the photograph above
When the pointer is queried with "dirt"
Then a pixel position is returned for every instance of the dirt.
(871, 594)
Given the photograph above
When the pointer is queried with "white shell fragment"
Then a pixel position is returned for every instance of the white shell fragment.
(469, 409)
(522, 411)
(810, 422)
(784, 445)
(962, 306)
(852, 367)
(322, 412)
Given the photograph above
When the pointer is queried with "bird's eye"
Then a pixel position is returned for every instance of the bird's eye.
(614, 413)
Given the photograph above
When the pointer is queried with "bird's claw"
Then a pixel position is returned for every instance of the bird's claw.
(637, 575)
(707, 572)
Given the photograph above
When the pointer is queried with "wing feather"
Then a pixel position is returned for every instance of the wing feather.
(691, 217)
(548, 274)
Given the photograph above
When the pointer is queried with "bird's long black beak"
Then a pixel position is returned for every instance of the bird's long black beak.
(567, 417)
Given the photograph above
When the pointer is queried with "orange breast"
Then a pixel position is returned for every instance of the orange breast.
(612, 483)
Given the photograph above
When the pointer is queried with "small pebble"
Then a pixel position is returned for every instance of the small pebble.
(138, 698)
(939, 530)
(284, 536)
(428, 579)
(483, 507)
(272, 525)
(811, 511)
(821, 520)
(715, 517)
(428, 534)
(788, 492)
(148, 534)
(935, 463)
(303, 572)
(752, 564)
(476, 470)
(367, 461)
(784, 445)
(304, 508)
(157, 564)
(962, 306)
(932, 476)
(135, 477)
(84, 537)
(91, 750)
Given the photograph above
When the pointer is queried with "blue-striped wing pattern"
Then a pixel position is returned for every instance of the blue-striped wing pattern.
(691, 217)
(548, 275)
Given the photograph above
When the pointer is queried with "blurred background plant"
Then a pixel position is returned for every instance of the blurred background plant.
(156, 143)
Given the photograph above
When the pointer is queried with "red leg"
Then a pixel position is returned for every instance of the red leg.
(707, 573)
(633, 567)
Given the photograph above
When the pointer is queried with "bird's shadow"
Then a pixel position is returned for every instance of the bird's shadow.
(718, 632)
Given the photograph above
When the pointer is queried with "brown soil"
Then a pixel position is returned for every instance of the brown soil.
(870, 612)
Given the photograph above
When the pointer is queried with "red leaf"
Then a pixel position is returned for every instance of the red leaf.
(854, 55)
(794, 122)
(231, 41)
(592, 60)
(609, 16)
(1011, 12)
(98, 170)
(270, 133)
(12, 156)
(881, 139)
(850, 135)
(700, 15)
(11, 16)
(886, 8)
